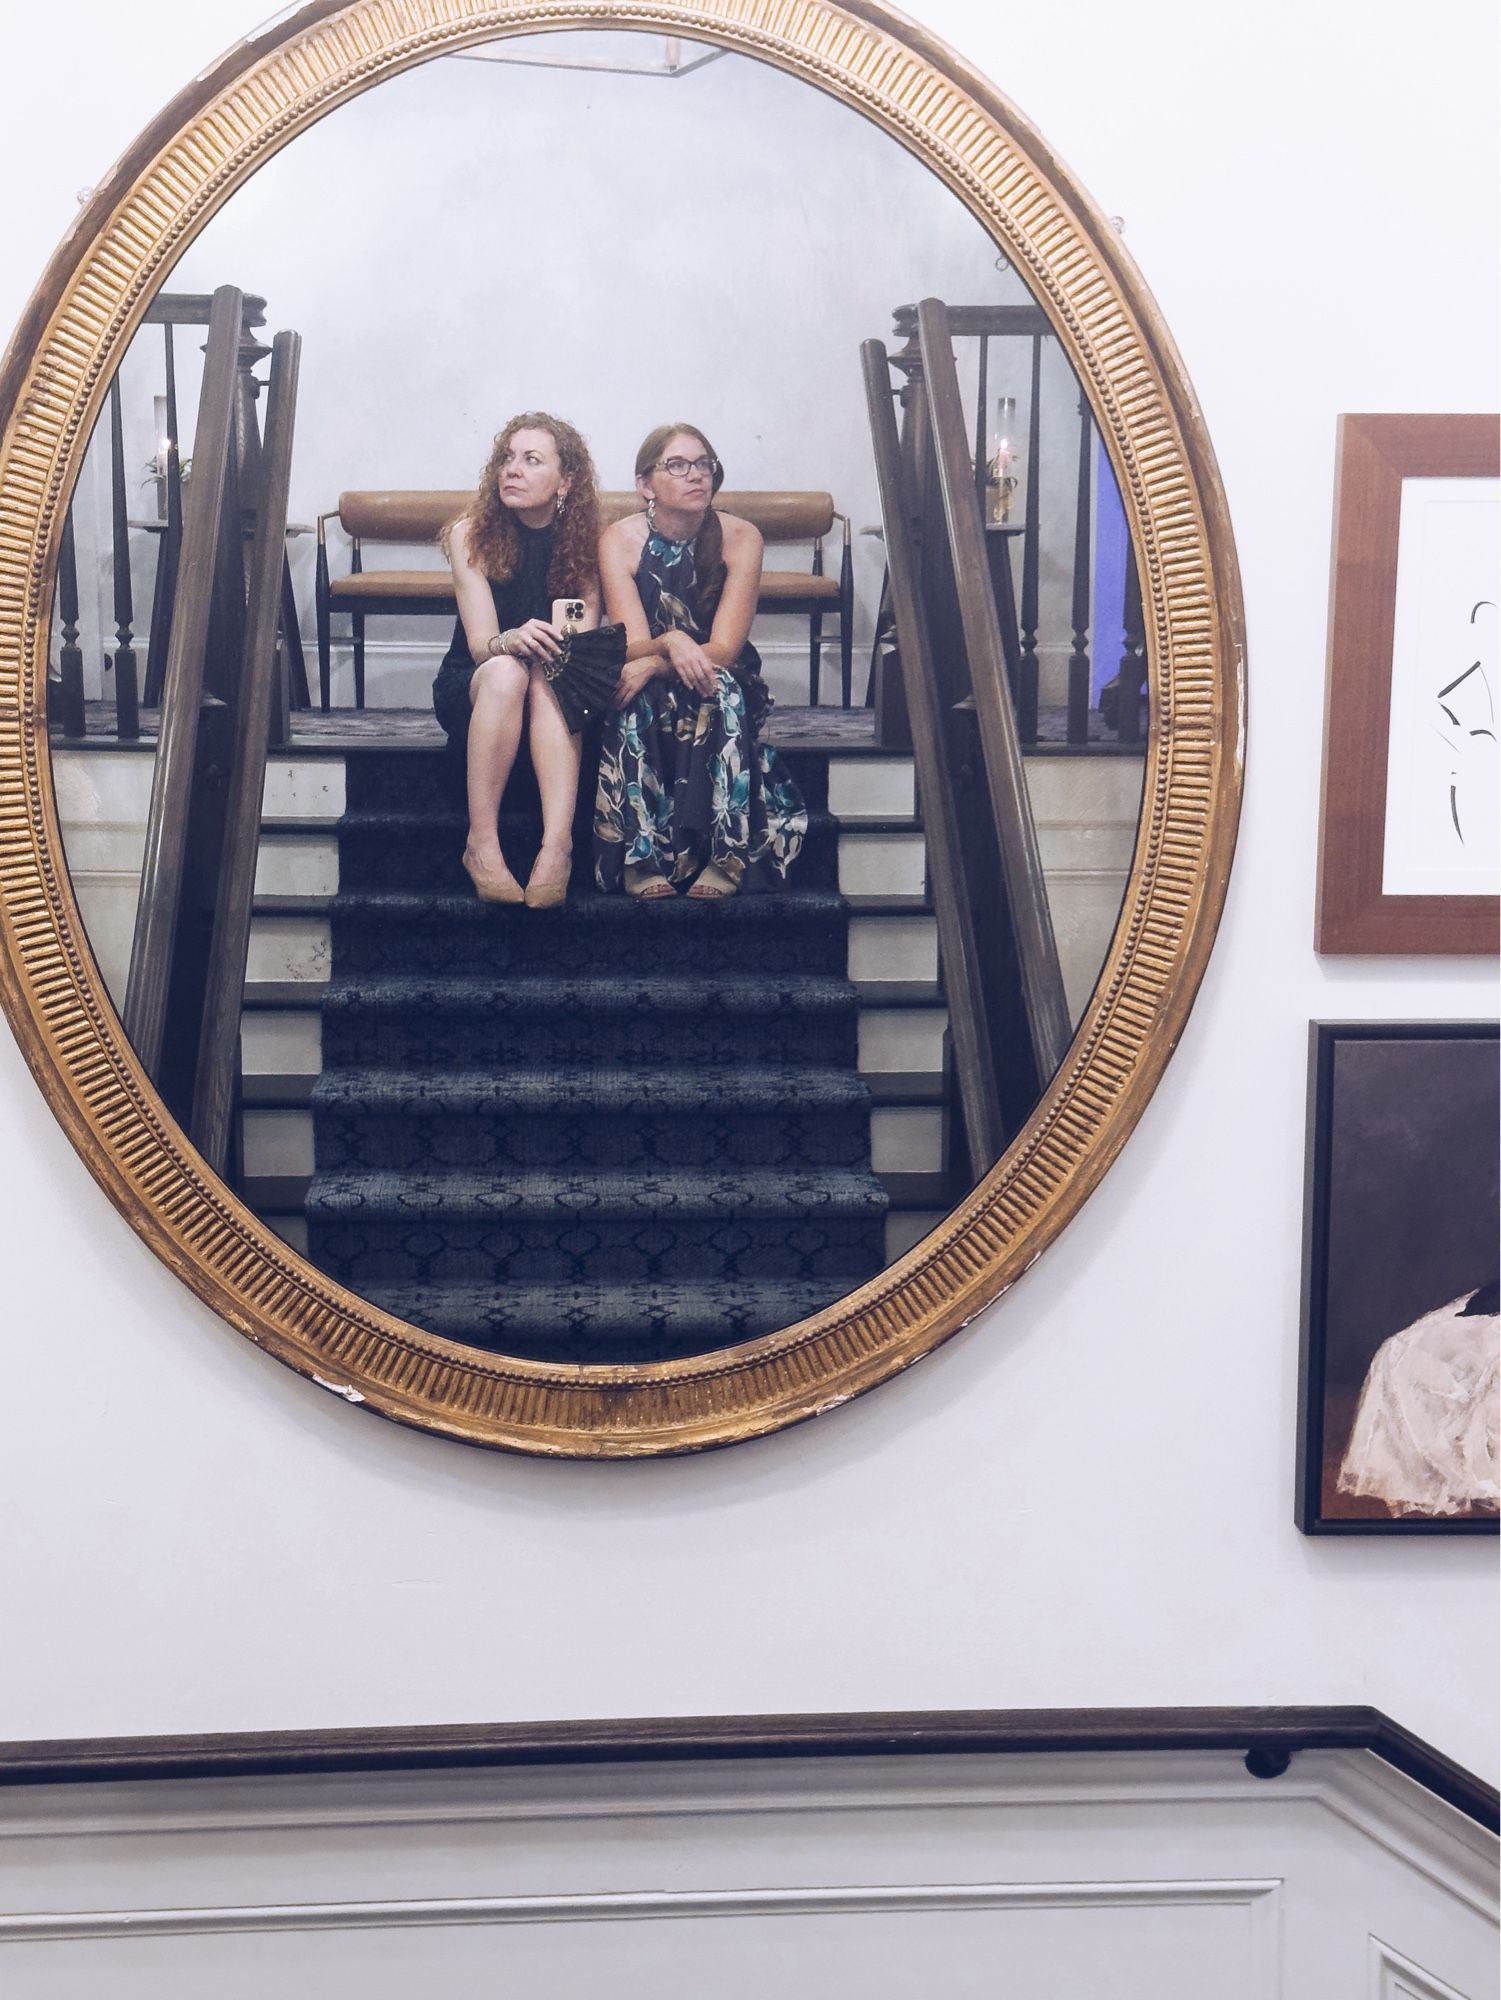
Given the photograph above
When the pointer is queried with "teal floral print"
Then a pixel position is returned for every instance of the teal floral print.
(684, 781)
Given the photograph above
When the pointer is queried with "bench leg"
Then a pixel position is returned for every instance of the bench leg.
(357, 620)
(321, 613)
(846, 623)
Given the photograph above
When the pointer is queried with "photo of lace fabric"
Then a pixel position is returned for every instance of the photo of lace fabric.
(1425, 1433)
(1400, 1400)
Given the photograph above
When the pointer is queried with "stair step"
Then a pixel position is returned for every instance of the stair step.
(650, 1118)
(526, 1019)
(648, 994)
(420, 847)
(652, 1089)
(796, 930)
(636, 1198)
(566, 1228)
(605, 1322)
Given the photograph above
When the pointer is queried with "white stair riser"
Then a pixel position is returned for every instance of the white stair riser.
(872, 788)
(902, 1041)
(906, 1226)
(906, 1139)
(894, 951)
(281, 1042)
(277, 1143)
(304, 788)
(883, 864)
(288, 950)
(297, 864)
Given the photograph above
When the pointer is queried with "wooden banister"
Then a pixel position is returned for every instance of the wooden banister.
(218, 1046)
(1037, 949)
(947, 882)
(167, 820)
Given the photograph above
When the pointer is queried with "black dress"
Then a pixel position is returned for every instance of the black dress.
(523, 595)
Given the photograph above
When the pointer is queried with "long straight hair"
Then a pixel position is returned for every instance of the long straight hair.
(708, 548)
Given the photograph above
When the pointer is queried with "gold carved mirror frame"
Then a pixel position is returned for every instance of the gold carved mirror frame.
(53, 382)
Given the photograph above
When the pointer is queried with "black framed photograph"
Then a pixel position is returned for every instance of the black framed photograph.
(1398, 1385)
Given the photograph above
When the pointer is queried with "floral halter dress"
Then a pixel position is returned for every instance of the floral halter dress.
(684, 781)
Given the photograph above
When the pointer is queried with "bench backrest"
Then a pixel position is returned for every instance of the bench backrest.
(395, 515)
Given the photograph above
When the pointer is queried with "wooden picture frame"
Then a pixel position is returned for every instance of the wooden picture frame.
(1376, 454)
(1401, 1193)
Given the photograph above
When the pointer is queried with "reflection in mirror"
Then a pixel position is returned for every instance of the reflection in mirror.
(616, 1128)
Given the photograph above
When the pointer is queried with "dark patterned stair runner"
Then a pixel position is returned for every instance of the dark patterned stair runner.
(603, 1133)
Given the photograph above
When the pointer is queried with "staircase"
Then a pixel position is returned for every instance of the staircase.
(605, 1133)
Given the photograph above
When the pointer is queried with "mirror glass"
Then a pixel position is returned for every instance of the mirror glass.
(619, 1128)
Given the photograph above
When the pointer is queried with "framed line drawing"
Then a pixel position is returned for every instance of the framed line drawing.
(1398, 1382)
(1409, 860)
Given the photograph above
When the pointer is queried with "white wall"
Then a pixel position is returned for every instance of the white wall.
(1087, 1497)
(449, 259)
(1150, 1877)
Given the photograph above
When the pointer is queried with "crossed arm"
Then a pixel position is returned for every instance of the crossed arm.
(676, 652)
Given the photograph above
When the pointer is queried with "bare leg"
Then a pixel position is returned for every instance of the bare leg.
(555, 757)
(497, 698)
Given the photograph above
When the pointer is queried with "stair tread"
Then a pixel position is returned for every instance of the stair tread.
(596, 1197)
(589, 1302)
(417, 906)
(451, 818)
(611, 993)
(645, 1087)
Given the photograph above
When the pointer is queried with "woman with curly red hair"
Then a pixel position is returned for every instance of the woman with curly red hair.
(529, 537)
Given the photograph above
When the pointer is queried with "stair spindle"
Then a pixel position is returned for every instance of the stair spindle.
(70, 658)
(1133, 668)
(127, 698)
(1027, 674)
(1078, 659)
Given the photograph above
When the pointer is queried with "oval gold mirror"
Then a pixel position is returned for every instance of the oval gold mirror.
(942, 848)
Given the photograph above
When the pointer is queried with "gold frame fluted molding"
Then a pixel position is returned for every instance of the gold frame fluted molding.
(53, 381)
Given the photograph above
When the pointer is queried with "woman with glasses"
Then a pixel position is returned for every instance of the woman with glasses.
(688, 797)
(528, 537)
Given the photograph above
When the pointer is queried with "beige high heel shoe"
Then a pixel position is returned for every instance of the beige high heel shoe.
(551, 894)
(493, 888)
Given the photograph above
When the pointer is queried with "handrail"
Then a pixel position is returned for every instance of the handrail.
(218, 1047)
(1267, 1737)
(172, 780)
(948, 885)
(1032, 923)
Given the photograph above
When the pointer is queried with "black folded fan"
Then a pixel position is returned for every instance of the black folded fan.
(584, 678)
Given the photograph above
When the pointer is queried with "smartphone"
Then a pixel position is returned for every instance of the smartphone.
(568, 613)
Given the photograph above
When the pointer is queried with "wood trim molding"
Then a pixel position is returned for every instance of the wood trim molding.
(635, 1905)
(1268, 1738)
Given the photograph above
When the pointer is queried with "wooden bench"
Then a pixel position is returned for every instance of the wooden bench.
(408, 518)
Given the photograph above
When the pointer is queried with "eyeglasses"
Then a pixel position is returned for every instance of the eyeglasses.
(681, 467)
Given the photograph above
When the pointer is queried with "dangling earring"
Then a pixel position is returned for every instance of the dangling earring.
(558, 506)
(651, 510)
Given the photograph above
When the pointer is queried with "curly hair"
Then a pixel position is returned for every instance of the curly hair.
(709, 547)
(495, 547)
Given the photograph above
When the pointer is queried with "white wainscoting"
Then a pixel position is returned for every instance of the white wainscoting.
(1026, 1877)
